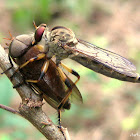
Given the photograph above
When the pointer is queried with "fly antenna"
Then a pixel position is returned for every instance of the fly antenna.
(11, 37)
(34, 24)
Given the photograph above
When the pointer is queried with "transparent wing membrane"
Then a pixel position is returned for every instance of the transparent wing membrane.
(104, 61)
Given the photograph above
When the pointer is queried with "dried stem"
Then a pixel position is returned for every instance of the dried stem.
(10, 109)
(30, 100)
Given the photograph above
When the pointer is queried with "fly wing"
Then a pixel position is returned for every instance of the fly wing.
(104, 57)
(76, 96)
(53, 101)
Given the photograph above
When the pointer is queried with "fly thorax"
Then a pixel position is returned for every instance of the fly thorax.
(62, 35)
(58, 38)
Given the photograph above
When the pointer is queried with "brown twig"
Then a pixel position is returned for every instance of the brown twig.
(7, 108)
(31, 107)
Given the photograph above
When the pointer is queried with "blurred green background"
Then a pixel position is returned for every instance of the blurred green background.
(111, 108)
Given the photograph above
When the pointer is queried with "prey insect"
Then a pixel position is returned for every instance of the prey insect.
(50, 83)
(62, 43)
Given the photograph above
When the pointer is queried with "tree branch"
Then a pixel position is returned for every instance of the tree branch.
(10, 109)
(30, 100)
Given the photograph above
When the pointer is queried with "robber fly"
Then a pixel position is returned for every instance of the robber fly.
(62, 43)
(49, 83)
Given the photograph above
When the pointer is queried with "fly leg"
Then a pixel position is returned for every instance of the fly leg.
(19, 84)
(68, 84)
(71, 71)
(43, 71)
(59, 120)
(10, 66)
(38, 57)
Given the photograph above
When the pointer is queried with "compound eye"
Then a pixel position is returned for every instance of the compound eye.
(39, 32)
